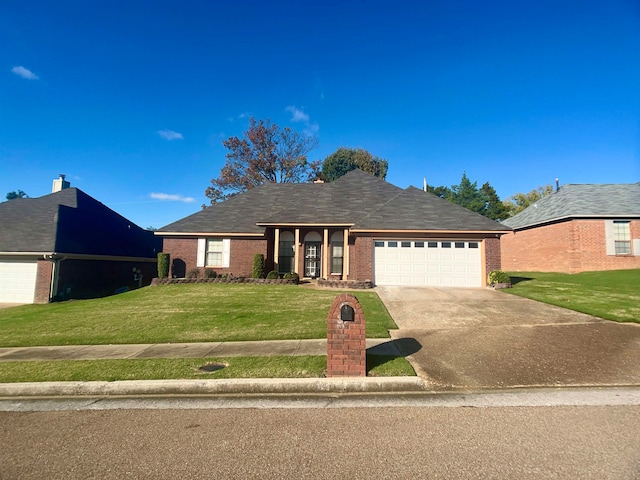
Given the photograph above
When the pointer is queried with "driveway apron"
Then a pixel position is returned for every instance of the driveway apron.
(486, 339)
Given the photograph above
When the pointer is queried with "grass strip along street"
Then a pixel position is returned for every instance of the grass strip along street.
(189, 368)
(612, 295)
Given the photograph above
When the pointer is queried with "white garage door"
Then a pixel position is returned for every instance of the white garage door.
(17, 281)
(438, 263)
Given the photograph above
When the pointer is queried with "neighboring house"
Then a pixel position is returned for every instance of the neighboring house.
(575, 229)
(69, 245)
(358, 227)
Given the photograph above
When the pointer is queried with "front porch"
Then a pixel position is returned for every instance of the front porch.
(312, 251)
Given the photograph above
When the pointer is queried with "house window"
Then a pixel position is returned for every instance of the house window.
(446, 244)
(459, 244)
(432, 244)
(405, 244)
(473, 244)
(337, 252)
(286, 252)
(622, 237)
(378, 244)
(214, 252)
(392, 244)
(419, 244)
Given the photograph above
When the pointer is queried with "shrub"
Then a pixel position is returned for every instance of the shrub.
(163, 265)
(272, 275)
(292, 275)
(210, 273)
(193, 273)
(258, 266)
(498, 276)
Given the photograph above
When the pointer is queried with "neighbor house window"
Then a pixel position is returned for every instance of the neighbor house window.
(622, 237)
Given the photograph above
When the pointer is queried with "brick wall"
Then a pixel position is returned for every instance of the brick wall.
(43, 281)
(361, 258)
(184, 253)
(492, 257)
(572, 246)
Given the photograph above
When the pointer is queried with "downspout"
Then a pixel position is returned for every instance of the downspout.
(55, 272)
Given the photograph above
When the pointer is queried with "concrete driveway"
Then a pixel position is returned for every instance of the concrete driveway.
(484, 339)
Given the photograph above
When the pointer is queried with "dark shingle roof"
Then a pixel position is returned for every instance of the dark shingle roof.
(581, 201)
(357, 198)
(70, 221)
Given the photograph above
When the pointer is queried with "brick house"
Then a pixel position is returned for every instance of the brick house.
(69, 245)
(358, 227)
(578, 228)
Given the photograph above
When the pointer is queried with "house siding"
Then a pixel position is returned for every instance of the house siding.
(184, 251)
(572, 246)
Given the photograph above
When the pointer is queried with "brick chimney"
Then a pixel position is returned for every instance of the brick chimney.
(60, 184)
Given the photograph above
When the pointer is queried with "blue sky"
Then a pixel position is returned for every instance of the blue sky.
(132, 99)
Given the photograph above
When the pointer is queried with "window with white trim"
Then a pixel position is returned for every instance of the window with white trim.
(286, 253)
(213, 256)
(213, 252)
(337, 252)
(622, 237)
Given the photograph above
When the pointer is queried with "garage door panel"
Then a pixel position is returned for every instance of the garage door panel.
(18, 281)
(441, 263)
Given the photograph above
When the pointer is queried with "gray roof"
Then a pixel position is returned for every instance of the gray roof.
(70, 221)
(581, 201)
(358, 199)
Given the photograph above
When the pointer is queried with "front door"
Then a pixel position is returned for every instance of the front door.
(312, 259)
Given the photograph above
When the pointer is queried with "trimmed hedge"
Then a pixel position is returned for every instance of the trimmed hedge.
(163, 264)
(498, 276)
(258, 266)
(224, 279)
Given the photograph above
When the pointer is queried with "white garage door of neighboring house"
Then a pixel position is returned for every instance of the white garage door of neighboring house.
(438, 263)
(18, 281)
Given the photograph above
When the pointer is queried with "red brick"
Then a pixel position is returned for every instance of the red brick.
(571, 246)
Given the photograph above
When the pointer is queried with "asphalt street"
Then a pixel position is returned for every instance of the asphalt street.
(564, 442)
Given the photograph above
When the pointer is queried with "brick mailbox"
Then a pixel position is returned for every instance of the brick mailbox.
(346, 338)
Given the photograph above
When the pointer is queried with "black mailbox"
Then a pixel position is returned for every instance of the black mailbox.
(346, 313)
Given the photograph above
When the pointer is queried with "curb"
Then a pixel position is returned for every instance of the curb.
(215, 387)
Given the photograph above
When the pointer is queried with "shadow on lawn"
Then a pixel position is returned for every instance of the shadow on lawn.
(516, 280)
(389, 351)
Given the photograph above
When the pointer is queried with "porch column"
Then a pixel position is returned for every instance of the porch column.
(276, 249)
(345, 254)
(325, 254)
(296, 250)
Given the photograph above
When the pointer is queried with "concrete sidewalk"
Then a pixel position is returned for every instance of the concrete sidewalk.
(251, 386)
(375, 346)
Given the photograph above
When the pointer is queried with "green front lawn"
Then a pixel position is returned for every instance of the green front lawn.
(186, 313)
(613, 295)
(188, 368)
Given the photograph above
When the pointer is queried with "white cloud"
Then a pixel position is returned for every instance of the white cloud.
(24, 73)
(170, 135)
(297, 115)
(171, 198)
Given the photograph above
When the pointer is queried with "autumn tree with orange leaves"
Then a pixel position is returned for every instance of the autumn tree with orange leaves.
(265, 154)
